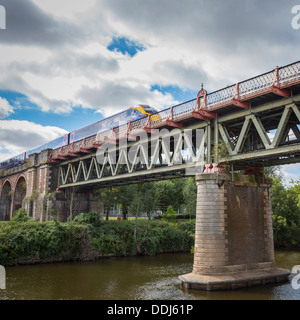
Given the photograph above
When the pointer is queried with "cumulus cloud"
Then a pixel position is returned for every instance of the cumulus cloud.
(28, 25)
(114, 97)
(5, 108)
(232, 39)
(291, 172)
(55, 52)
(17, 137)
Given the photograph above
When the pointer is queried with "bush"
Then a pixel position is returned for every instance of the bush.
(92, 218)
(30, 241)
(85, 238)
(20, 215)
(114, 238)
(285, 235)
(170, 213)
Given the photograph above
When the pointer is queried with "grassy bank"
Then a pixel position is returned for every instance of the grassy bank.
(86, 238)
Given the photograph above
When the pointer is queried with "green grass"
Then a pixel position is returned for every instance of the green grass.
(128, 218)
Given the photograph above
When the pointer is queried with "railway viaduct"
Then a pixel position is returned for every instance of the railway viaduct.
(225, 139)
(33, 186)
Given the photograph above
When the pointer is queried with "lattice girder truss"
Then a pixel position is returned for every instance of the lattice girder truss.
(179, 151)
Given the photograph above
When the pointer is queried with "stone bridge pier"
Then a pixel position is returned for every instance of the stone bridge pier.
(234, 234)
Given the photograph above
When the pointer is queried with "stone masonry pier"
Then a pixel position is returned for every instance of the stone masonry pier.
(33, 186)
(234, 235)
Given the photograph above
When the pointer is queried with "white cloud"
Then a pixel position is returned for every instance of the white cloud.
(5, 108)
(291, 172)
(60, 54)
(17, 136)
(187, 43)
(67, 9)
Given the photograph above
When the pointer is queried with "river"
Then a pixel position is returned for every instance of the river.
(131, 278)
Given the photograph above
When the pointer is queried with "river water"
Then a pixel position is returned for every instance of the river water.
(131, 278)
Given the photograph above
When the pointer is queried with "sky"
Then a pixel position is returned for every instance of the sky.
(67, 63)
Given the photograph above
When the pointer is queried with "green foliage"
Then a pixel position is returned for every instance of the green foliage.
(190, 197)
(115, 238)
(3, 173)
(220, 151)
(20, 215)
(286, 213)
(151, 196)
(274, 172)
(92, 218)
(285, 202)
(33, 242)
(170, 213)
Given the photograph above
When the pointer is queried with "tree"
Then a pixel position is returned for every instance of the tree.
(124, 195)
(296, 188)
(190, 196)
(170, 213)
(286, 209)
(285, 202)
(170, 193)
(274, 172)
(107, 195)
(73, 203)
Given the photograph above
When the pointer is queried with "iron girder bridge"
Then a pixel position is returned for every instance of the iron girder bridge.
(251, 124)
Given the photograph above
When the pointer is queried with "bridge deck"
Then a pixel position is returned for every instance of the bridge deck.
(269, 87)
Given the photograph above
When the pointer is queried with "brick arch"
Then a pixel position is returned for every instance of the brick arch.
(20, 189)
(17, 180)
(3, 182)
(5, 200)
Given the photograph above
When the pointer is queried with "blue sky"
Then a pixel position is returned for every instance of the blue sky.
(125, 46)
(62, 69)
(24, 109)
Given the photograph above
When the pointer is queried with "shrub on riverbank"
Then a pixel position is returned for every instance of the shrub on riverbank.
(30, 241)
(117, 237)
(285, 235)
(85, 238)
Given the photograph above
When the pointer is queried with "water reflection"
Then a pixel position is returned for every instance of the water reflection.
(132, 278)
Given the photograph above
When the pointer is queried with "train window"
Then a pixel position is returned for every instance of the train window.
(146, 108)
(65, 140)
(149, 109)
(72, 137)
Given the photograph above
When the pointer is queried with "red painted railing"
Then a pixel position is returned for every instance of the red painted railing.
(203, 107)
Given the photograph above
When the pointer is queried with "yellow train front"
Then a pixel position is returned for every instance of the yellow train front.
(143, 110)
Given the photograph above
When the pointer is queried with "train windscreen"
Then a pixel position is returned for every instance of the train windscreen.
(149, 109)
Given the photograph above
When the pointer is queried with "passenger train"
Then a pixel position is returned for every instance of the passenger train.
(131, 114)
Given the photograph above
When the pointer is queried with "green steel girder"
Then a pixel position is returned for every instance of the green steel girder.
(246, 134)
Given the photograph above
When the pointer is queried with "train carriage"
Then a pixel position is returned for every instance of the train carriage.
(123, 117)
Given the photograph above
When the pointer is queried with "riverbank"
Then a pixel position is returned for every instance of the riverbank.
(86, 238)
